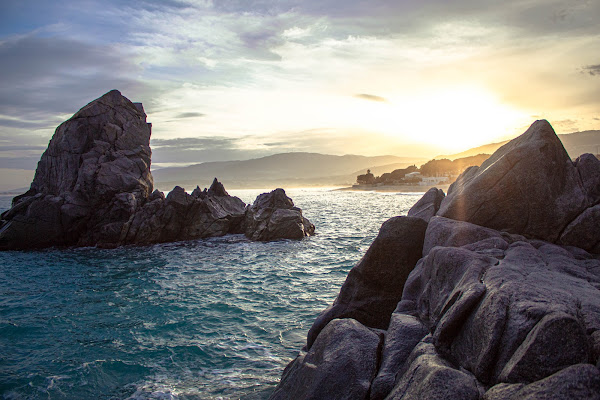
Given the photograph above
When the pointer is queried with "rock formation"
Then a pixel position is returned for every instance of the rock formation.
(502, 303)
(93, 187)
(273, 215)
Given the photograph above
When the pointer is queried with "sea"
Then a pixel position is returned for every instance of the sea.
(218, 318)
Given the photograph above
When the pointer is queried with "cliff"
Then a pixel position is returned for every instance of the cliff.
(491, 292)
(93, 187)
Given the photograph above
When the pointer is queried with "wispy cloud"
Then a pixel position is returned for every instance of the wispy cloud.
(189, 115)
(592, 69)
(371, 97)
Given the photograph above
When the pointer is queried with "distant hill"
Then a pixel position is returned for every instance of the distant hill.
(576, 144)
(286, 169)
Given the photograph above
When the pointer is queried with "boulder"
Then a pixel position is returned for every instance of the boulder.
(528, 186)
(428, 205)
(374, 286)
(340, 365)
(273, 216)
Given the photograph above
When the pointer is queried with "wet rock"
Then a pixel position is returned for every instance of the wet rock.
(340, 365)
(374, 286)
(273, 216)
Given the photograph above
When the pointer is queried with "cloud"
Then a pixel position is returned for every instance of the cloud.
(14, 123)
(196, 150)
(44, 76)
(189, 115)
(20, 162)
(371, 97)
(592, 69)
(22, 148)
(194, 143)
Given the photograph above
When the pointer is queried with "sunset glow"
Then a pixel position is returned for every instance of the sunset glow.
(244, 79)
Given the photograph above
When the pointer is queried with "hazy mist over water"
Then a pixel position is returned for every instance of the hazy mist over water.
(216, 318)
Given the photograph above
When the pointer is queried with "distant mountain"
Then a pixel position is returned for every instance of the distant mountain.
(286, 169)
(576, 144)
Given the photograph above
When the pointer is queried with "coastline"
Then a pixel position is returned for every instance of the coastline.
(394, 188)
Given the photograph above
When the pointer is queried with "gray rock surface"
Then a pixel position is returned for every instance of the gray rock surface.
(374, 286)
(93, 176)
(340, 365)
(403, 334)
(93, 187)
(577, 382)
(529, 186)
(273, 216)
(508, 310)
(429, 376)
(428, 205)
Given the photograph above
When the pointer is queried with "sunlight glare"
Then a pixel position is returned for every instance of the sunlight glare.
(454, 118)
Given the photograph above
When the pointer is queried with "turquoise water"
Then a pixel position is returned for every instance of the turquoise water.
(206, 319)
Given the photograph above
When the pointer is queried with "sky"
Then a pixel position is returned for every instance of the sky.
(235, 79)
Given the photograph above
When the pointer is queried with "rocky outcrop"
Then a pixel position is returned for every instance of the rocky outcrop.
(504, 300)
(374, 286)
(273, 216)
(93, 187)
(93, 176)
(528, 186)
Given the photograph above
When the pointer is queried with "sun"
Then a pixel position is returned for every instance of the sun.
(456, 118)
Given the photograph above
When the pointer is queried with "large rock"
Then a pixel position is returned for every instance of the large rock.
(94, 175)
(340, 365)
(374, 286)
(93, 187)
(529, 186)
(273, 216)
(508, 285)
(506, 309)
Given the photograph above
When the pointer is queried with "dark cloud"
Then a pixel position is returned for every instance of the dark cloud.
(592, 69)
(43, 76)
(371, 97)
(189, 115)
